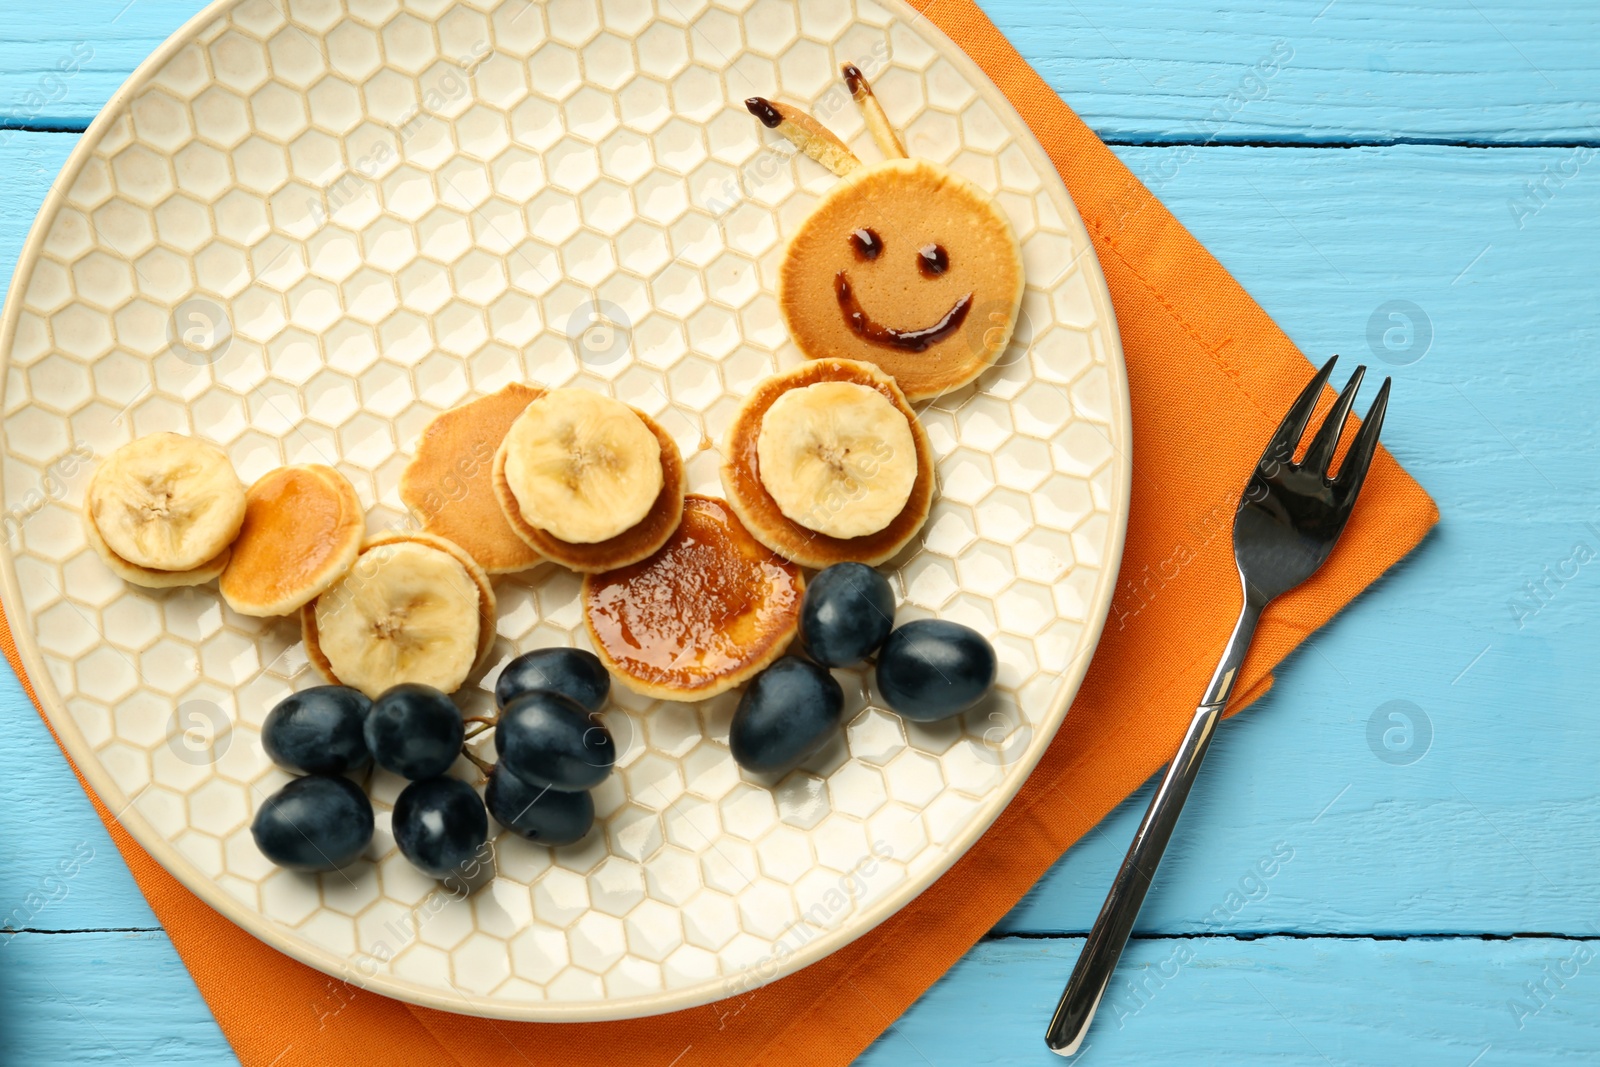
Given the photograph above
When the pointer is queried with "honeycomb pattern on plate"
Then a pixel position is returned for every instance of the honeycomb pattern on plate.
(314, 224)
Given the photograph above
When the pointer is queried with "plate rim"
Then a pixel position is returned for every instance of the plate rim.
(257, 924)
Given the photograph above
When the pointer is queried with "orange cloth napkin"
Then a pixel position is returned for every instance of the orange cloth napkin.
(1197, 347)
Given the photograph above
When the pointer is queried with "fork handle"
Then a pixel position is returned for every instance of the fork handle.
(1109, 936)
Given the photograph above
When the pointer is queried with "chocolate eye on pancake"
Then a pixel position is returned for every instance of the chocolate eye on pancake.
(903, 264)
(867, 244)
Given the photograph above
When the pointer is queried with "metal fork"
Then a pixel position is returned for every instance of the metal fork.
(1288, 521)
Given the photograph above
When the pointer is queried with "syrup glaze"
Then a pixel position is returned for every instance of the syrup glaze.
(711, 601)
(295, 523)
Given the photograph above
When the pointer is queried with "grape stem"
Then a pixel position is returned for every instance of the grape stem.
(483, 765)
(482, 724)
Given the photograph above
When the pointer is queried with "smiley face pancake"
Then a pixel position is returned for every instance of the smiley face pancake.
(905, 265)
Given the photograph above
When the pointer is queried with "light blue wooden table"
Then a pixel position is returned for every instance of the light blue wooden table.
(1418, 187)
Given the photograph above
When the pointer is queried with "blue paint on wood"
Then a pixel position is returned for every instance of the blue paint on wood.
(103, 998)
(1269, 1003)
(1489, 833)
(1496, 71)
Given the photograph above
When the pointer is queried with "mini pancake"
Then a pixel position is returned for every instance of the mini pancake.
(629, 546)
(486, 601)
(449, 485)
(709, 610)
(760, 513)
(147, 576)
(908, 266)
(302, 531)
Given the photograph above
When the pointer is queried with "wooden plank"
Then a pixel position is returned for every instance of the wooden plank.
(1269, 1003)
(32, 162)
(1329, 70)
(124, 998)
(1497, 421)
(1496, 71)
(104, 998)
(60, 62)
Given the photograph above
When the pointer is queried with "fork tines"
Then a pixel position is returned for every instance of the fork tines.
(1319, 455)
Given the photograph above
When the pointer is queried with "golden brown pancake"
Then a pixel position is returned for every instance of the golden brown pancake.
(629, 546)
(741, 474)
(449, 485)
(905, 265)
(709, 610)
(147, 576)
(302, 530)
(486, 601)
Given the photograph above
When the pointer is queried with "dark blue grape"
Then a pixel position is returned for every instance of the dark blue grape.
(547, 739)
(318, 730)
(847, 614)
(572, 672)
(789, 711)
(547, 816)
(931, 669)
(316, 823)
(415, 731)
(439, 825)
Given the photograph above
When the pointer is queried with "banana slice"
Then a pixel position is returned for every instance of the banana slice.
(166, 502)
(837, 457)
(412, 609)
(153, 579)
(582, 467)
(878, 123)
(805, 133)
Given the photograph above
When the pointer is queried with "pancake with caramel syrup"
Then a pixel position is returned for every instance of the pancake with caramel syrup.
(760, 513)
(709, 610)
(302, 530)
(480, 580)
(629, 546)
(449, 485)
(908, 266)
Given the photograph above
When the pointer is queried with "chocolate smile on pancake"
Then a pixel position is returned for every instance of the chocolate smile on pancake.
(903, 264)
(893, 337)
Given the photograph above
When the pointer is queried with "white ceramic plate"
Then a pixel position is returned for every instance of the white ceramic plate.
(305, 227)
